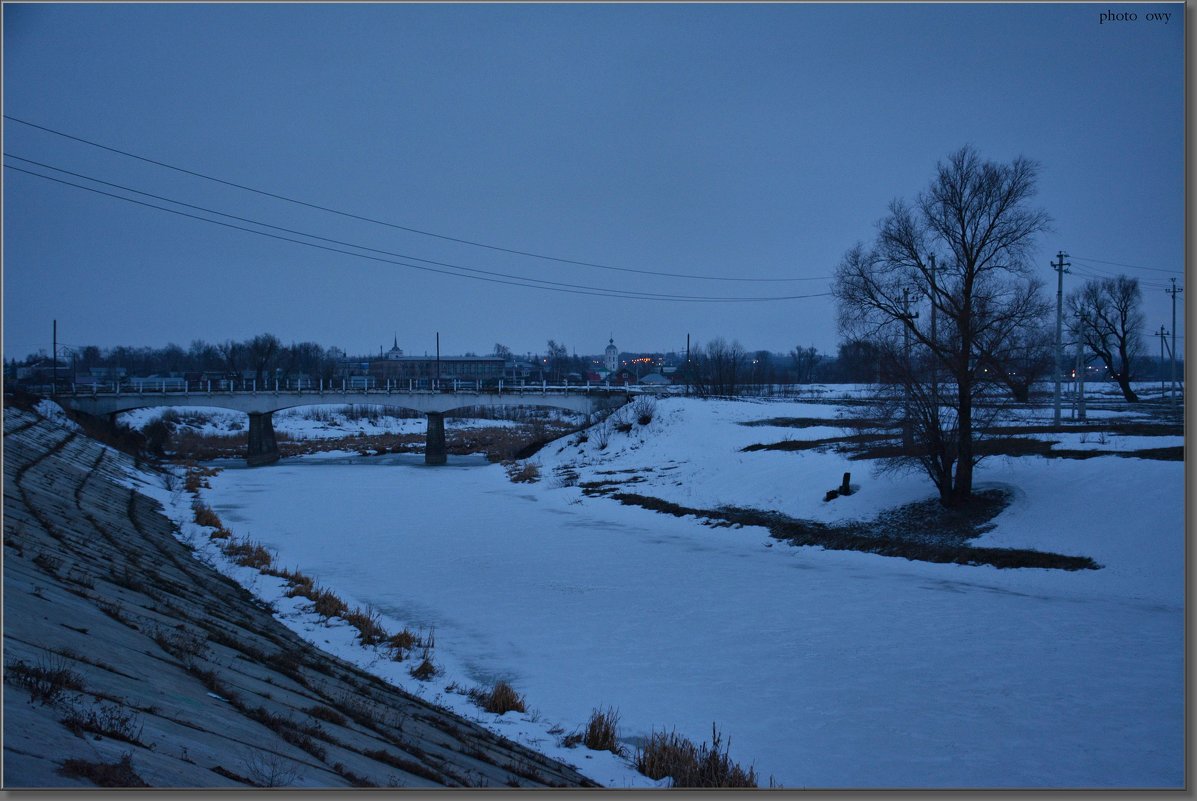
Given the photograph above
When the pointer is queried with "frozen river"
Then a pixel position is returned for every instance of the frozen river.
(826, 669)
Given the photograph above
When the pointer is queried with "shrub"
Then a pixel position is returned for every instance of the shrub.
(602, 435)
(643, 409)
(108, 720)
(267, 769)
(690, 765)
(45, 681)
(500, 698)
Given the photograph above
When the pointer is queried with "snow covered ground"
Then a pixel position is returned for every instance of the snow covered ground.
(825, 668)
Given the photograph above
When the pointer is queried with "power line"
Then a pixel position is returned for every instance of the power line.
(1132, 266)
(598, 293)
(395, 225)
(338, 241)
(1098, 273)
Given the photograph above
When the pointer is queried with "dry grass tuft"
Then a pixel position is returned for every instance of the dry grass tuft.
(300, 585)
(602, 731)
(366, 622)
(328, 604)
(523, 472)
(204, 515)
(404, 640)
(327, 714)
(500, 698)
(690, 765)
(248, 553)
(104, 774)
(46, 681)
(425, 670)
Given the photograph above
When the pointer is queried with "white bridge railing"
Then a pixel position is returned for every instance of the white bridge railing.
(344, 387)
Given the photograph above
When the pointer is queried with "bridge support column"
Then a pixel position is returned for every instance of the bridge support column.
(434, 445)
(262, 447)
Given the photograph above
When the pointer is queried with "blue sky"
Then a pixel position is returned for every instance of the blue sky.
(721, 141)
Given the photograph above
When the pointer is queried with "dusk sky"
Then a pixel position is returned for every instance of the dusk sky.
(689, 146)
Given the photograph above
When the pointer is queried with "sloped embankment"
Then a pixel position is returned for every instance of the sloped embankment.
(130, 663)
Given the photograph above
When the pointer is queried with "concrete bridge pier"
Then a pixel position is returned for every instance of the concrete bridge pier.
(434, 445)
(262, 446)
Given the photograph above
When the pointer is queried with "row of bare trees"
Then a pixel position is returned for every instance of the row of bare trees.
(946, 299)
(263, 354)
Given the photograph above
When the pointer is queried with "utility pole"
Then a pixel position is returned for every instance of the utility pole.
(1174, 291)
(934, 347)
(1081, 367)
(1060, 268)
(438, 361)
(689, 374)
(54, 363)
(1161, 334)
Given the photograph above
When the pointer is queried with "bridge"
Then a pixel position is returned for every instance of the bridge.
(261, 405)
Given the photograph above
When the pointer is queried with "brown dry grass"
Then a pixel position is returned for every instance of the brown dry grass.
(522, 473)
(104, 774)
(690, 765)
(500, 698)
(602, 731)
(204, 515)
(368, 628)
(248, 553)
(328, 604)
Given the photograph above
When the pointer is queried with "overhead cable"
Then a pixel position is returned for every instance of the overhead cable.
(521, 282)
(373, 221)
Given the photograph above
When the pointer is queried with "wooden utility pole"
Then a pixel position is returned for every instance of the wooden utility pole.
(54, 363)
(934, 347)
(1163, 387)
(1081, 367)
(1059, 267)
(1174, 291)
(689, 374)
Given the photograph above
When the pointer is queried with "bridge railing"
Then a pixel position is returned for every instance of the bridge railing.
(180, 387)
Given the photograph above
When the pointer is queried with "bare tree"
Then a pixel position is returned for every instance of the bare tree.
(805, 360)
(232, 354)
(261, 352)
(961, 252)
(720, 368)
(558, 359)
(1109, 321)
(1026, 358)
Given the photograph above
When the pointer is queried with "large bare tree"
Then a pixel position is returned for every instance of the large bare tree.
(942, 292)
(1108, 320)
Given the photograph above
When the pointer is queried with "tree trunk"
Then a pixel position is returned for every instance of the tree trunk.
(962, 488)
(1127, 392)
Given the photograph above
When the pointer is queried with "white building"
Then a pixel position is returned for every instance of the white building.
(611, 360)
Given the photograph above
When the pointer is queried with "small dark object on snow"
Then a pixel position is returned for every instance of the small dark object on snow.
(846, 488)
(831, 495)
